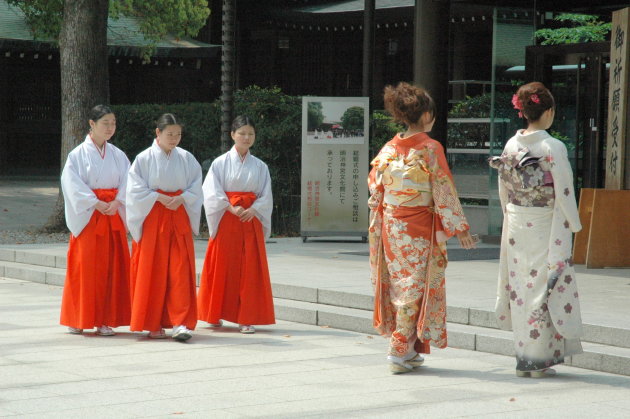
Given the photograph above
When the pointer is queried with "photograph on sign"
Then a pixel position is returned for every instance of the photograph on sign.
(335, 122)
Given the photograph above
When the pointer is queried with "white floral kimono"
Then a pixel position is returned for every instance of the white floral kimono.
(537, 294)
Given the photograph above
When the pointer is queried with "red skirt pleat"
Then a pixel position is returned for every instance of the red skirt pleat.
(96, 289)
(163, 289)
(235, 284)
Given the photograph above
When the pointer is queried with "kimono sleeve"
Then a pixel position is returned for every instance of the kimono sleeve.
(193, 194)
(264, 202)
(379, 163)
(447, 205)
(215, 201)
(563, 184)
(77, 194)
(140, 198)
(123, 166)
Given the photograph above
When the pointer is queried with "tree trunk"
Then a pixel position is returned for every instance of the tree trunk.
(84, 78)
(227, 73)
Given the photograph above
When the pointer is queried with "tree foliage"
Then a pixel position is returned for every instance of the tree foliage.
(156, 18)
(315, 116)
(353, 118)
(581, 28)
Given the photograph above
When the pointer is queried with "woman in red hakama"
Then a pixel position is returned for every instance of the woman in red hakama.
(235, 284)
(165, 198)
(96, 289)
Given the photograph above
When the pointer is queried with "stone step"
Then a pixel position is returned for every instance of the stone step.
(600, 334)
(352, 311)
(481, 252)
(595, 357)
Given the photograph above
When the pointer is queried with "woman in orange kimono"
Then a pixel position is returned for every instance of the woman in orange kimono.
(234, 284)
(163, 211)
(414, 209)
(96, 290)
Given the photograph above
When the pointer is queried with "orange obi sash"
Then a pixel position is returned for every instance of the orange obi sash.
(114, 221)
(242, 199)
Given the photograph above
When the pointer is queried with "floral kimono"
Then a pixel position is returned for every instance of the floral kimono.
(537, 293)
(414, 209)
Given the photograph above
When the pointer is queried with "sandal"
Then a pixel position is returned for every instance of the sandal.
(75, 331)
(105, 331)
(247, 330)
(547, 372)
(216, 325)
(399, 365)
(181, 333)
(416, 361)
(158, 334)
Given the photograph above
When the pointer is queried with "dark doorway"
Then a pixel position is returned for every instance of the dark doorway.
(577, 75)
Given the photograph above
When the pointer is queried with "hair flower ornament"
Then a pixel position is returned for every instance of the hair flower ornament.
(534, 98)
(517, 105)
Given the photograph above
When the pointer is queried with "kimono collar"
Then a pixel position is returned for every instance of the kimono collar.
(532, 137)
(157, 150)
(234, 156)
(90, 141)
(418, 137)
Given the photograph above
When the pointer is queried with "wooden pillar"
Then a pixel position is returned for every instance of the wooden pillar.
(430, 58)
(227, 73)
(368, 47)
(3, 114)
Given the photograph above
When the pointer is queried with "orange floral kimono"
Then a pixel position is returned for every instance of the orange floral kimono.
(414, 209)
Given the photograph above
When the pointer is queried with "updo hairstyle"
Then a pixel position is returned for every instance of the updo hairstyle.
(407, 103)
(99, 111)
(532, 100)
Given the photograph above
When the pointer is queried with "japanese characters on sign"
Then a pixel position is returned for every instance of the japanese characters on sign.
(618, 101)
(334, 166)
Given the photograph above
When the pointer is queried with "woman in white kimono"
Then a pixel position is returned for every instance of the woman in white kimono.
(235, 283)
(537, 290)
(96, 289)
(164, 201)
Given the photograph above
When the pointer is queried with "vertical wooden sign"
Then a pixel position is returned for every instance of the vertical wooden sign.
(618, 127)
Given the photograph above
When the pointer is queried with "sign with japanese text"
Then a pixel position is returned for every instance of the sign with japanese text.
(334, 166)
(618, 128)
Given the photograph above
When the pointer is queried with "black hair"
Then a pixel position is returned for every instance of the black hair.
(166, 120)
(99, 111)
(241, 121)
(534, 99)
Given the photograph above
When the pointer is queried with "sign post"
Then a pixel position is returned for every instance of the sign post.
(603, 241)
(334, 166)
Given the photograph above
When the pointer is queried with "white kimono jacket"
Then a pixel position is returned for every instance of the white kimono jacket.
(86, 170)
(152, 170)
(229, 174)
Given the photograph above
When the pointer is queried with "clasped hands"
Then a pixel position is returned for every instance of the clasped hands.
(243, 214)
(108, 208)
(170, 202)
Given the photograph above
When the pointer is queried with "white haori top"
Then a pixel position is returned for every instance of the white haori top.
(85, 170)
(230, 173)
(153, 169)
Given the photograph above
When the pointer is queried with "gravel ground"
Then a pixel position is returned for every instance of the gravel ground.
(30, 237)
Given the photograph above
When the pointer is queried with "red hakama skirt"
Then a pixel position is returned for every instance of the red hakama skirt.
(235, 284)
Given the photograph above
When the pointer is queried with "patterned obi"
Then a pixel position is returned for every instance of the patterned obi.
(527, 178)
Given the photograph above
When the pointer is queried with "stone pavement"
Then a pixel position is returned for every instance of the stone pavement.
(284, 370)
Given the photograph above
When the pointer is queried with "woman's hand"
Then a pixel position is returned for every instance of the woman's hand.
(175, 202)
(247, 215)
(112, 208)
(102, 206)
(237, 210)
(466, 240)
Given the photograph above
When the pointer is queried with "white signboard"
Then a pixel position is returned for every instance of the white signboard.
(334, 166)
